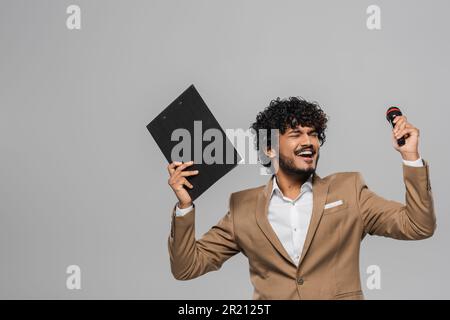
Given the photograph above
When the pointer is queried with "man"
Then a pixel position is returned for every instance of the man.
(301, 233)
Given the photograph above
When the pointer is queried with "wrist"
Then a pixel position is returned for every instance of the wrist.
(410, 156)
(184, 205)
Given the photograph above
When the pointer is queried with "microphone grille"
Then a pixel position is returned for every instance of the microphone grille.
(393, 108)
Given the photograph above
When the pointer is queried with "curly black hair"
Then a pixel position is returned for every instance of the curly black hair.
(287, 113)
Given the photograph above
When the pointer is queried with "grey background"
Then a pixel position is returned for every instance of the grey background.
(82, 182)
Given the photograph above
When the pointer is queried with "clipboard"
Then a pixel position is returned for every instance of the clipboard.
(188, 115)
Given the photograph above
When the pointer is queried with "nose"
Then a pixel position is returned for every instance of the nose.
(306, 140)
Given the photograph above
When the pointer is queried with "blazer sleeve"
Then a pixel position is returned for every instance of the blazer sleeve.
(191, 258)
(413, 220)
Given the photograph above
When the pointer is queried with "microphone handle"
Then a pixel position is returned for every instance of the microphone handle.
(400, 141)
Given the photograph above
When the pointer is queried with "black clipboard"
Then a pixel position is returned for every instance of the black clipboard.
(185, 113)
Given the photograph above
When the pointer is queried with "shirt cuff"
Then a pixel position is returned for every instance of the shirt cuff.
(181, 212)
(415, 163)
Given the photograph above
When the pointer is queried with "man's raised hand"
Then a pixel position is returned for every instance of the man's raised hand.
(177, 181)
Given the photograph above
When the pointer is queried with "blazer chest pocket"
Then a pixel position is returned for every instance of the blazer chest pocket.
(335, 206)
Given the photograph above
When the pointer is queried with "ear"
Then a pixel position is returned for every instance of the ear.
(269, 152)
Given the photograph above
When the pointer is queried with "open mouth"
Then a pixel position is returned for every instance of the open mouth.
(305, 154)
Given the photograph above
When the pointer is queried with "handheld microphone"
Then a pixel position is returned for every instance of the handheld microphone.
(391, 113)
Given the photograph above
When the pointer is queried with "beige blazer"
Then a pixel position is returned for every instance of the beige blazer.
(329, 263)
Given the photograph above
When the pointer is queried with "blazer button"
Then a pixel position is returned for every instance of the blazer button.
(300, 281)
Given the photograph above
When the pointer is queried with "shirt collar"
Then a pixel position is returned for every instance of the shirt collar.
(305, 186)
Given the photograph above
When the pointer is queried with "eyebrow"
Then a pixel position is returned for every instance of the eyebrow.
(296, 130)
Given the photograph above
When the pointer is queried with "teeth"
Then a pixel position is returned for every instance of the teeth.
(305, 153)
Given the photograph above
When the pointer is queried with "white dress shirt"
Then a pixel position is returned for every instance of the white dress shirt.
(290, 218)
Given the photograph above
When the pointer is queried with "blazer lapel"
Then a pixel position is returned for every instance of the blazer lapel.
(320, 190)
(262, 208)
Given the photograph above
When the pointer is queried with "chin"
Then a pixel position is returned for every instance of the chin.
(300, 164)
